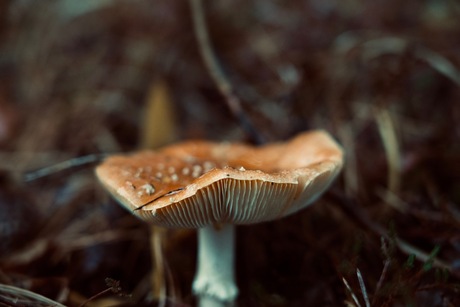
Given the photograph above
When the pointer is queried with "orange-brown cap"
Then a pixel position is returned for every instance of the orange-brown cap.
(197, 183)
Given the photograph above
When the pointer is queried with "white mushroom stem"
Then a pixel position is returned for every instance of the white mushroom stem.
(214, 282)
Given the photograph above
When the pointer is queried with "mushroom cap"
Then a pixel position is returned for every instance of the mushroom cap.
(197, 183)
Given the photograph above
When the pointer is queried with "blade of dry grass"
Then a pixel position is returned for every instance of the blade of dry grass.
(390, 142)
(353, 295)
(361, 217)
(14, 296)
(362, 285)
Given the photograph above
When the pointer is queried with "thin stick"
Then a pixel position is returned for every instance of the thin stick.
(95, 296)
(58, 167)
(212, 64)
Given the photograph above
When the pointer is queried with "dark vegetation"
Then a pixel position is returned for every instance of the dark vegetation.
(381, 76)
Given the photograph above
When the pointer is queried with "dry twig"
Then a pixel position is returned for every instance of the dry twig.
(220, 78)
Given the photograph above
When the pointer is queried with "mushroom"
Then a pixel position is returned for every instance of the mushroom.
(214, 186)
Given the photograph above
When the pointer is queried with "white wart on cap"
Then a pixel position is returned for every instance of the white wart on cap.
(198, 183)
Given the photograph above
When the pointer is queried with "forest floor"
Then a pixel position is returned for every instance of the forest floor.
(81, 79)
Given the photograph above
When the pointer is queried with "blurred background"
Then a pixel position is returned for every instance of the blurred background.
(88, 77)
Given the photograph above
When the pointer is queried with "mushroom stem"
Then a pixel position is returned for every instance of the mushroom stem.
(214, 282)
